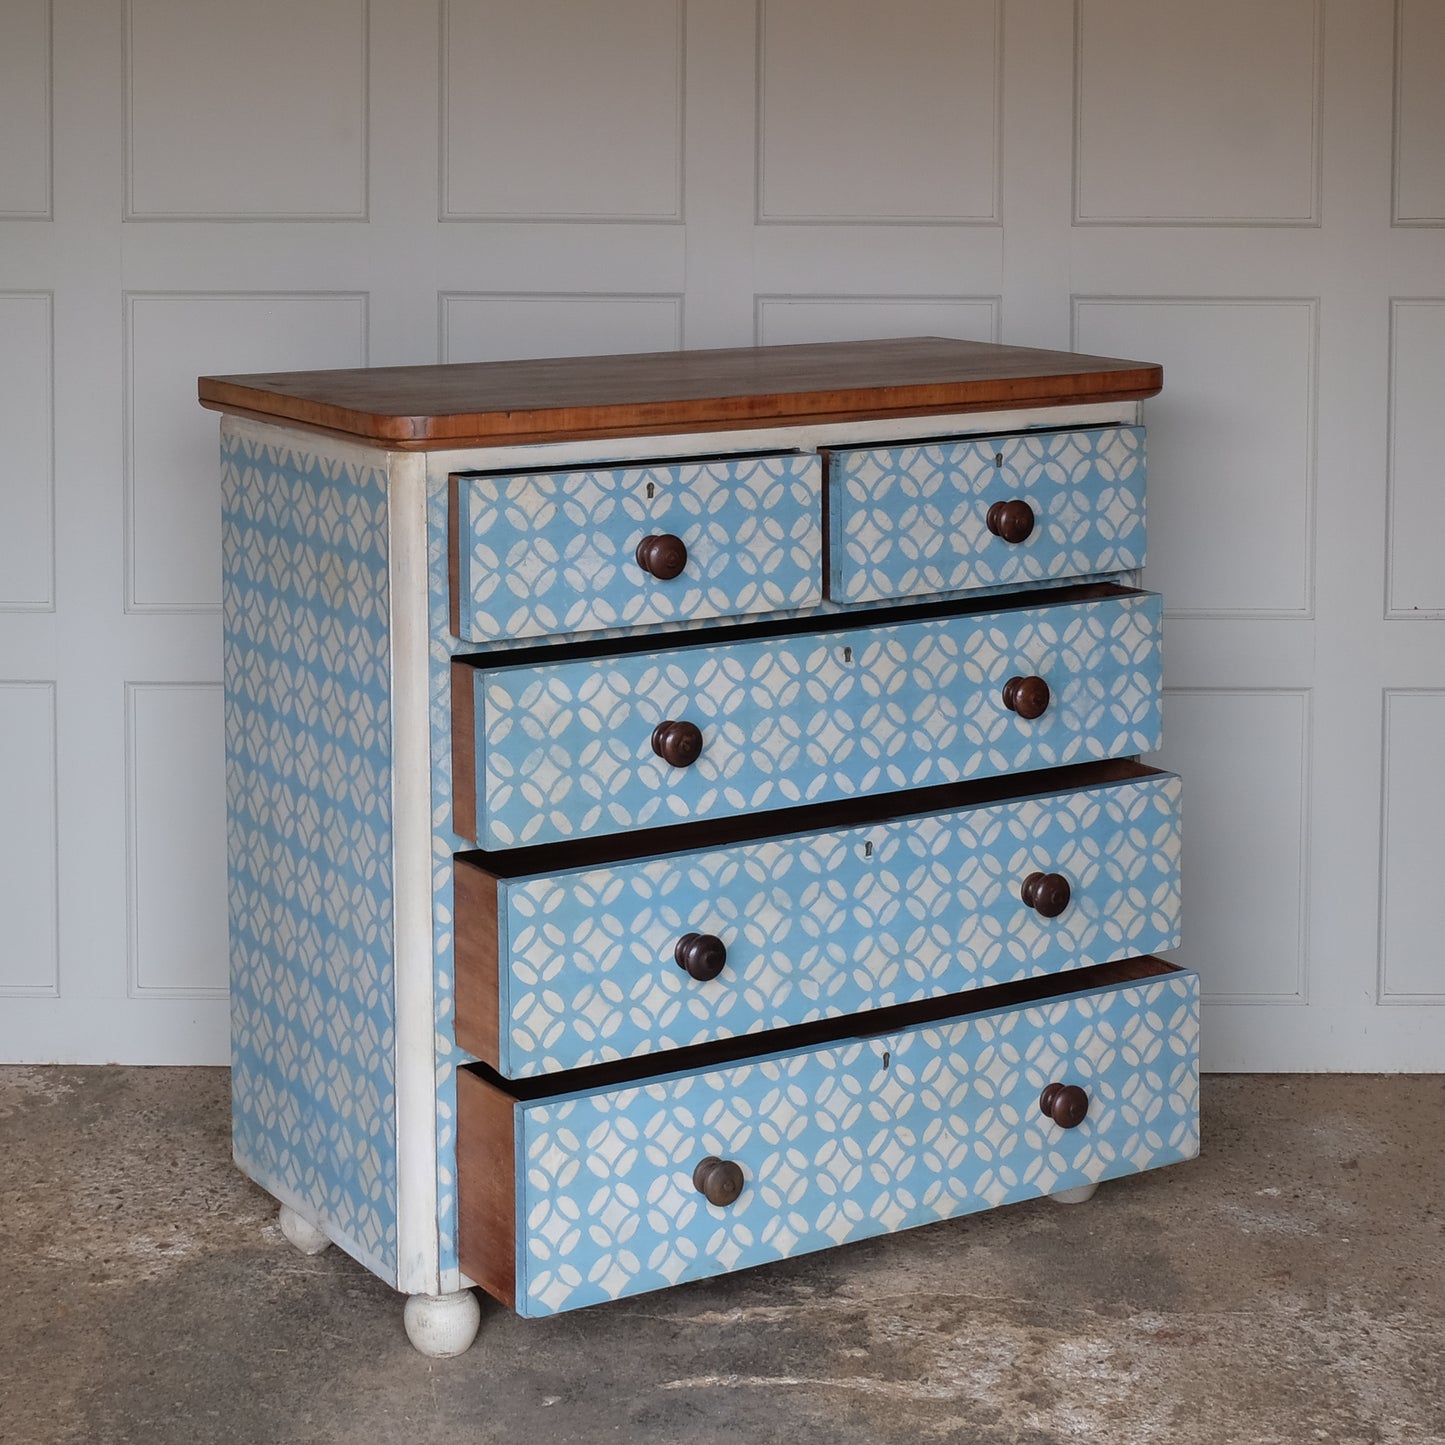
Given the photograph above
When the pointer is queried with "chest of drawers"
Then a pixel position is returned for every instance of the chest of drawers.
(686, 810)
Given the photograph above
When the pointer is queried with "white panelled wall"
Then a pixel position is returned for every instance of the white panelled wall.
(1253, 194)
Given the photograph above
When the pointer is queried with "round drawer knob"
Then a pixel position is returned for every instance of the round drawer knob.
(720, 1181)
(677, 743)
(1065, 1104)
(1013, 521)
(1027, 696)
(1046, 893)
(664, 556)
(700, 955)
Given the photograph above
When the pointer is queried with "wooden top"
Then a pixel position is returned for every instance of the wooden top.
(495, 403)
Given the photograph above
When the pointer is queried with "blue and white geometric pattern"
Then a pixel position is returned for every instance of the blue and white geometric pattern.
(564, 749)
(553, 552)
(909, 521)
(849, 1140)
(308, 781)
(824, 924)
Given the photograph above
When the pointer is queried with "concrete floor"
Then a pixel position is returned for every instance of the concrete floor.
(1288, 1286)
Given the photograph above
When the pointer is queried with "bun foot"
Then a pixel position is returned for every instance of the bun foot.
(442, 1325)
(1081, 1195)
(301, 1232)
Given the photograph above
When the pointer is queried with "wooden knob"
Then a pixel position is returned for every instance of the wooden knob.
(663, 556)
(677, 743)
(1046, 893)
(1065, 1104)
(700, 955)
(1013, 521)
(720, 1181)
(1027, 696)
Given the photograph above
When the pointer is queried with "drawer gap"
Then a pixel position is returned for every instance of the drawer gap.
(848, 813)
(797, 627)
(638, 464)
(997, 998)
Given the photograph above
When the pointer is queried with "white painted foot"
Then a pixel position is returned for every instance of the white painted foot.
(301, 1232)
(443, 1325)
(1081, 1195)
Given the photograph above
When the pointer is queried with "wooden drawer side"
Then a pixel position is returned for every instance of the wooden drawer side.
(487, 1186)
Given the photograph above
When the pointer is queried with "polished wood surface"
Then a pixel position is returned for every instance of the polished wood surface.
(503, 402)
(487, 1186)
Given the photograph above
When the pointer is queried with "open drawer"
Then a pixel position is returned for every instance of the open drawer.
(595, 1184)
(578, 954)
(611, 738)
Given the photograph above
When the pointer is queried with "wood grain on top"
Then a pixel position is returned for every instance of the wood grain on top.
(501, 402)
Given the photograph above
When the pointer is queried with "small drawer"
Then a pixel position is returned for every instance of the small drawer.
(540, 554)
(544, 751)
(618, 1186)
(933, 518)
(572, 966)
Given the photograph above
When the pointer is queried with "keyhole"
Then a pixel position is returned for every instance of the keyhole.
(887, 1055)
(847, 654)
(998, 459)
(650, 490)
(867, 850)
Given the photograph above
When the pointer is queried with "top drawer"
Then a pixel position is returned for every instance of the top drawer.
(925, 518)
(540, 553)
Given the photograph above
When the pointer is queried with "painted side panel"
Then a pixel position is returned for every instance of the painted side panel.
(309, 837)
(850, 1140)
(824, 924)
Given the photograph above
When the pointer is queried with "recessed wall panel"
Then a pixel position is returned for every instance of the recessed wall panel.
(28, 940)
(27, 554)
(248, 111)
(1244, 757)
(477, 327)
(1419, 113)
(787, 320)
(1412, 954)
(1204, 114)
(1417, 459)
(1231, 446)
(172, 458)
(881, 113)
(176, 800)
(25, 109)
(557, 111)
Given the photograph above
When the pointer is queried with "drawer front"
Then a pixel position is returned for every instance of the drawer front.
(812, 926)
(552, 751)
(913, 520)
(848, 1140)
(539, 554)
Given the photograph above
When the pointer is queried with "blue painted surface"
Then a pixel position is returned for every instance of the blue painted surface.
(308, 783)
(910, 520)
(849, 1140)
(547, 553)
(829, 923)
(564, 749)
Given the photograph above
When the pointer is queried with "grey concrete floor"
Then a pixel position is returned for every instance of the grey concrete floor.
(1287, 1286)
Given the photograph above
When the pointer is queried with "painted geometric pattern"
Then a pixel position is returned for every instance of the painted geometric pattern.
(564, 749)
(548, 553)
(308, 780)
(825, 924)
(850, 1140)
(909, 521)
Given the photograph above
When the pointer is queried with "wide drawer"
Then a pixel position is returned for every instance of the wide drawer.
(591, 1195)
(545, 553)
(573, 966)
(928, 518)
(544, 751)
